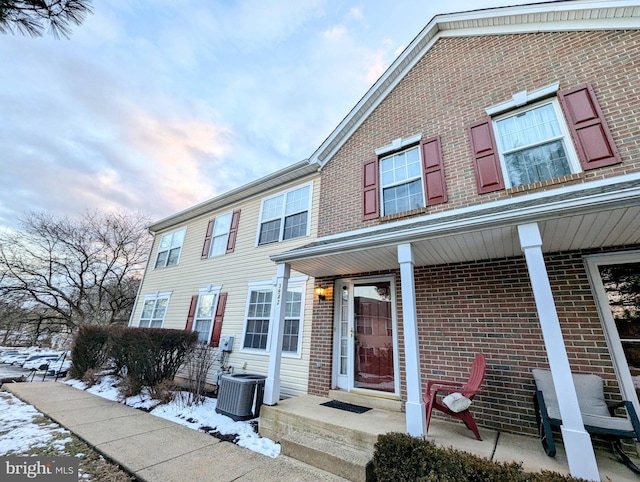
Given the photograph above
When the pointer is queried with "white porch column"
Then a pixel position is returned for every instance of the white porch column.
(272, 383)
(416, 422)
(577, 442)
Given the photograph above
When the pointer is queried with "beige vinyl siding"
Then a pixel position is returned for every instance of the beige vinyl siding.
(248, 263)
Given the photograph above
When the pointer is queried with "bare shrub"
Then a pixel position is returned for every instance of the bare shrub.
(163, 391)
(129, 386)
(199, 363)
(91, 377)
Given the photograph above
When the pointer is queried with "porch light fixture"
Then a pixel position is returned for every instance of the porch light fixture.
(320, 293)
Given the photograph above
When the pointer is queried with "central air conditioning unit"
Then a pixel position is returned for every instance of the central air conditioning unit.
(240, 396)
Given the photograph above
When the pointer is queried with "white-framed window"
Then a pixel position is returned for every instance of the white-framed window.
(293, 320)
(205, 312)
(534, 144)
(401, 182)
(257, 330)
(154, 310)
(169, 249)
(220, 235)
(285, 216)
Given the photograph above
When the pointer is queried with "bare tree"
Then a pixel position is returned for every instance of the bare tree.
(31, 17)
(72, 272)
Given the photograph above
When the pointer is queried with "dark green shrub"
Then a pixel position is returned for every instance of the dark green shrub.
(400, 457)
(89, 351)
(149, 356)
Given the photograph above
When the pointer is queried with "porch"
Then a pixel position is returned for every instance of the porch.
(342, 442)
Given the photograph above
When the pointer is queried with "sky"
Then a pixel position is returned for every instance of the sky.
(154, 106)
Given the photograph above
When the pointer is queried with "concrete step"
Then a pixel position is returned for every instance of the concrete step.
(383, 402)
(340, 459)
(305, 414)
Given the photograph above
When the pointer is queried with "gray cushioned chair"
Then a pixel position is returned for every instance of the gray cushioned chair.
(598, 416)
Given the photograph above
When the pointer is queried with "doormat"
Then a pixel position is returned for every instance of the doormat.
(349, 407)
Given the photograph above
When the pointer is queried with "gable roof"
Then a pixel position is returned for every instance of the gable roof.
(290, 173)
(562, 16)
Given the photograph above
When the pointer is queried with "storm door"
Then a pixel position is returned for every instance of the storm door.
(616, 279)
(365, 344)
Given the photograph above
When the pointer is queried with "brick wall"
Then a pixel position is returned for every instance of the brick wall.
(453, 84)
(488, 307)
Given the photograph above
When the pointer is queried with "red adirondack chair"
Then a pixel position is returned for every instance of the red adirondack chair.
(468, 390)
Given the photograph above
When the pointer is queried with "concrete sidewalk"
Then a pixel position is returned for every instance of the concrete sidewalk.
(154, 449)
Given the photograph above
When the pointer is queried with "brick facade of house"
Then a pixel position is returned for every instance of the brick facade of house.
(486, 306)
(496, 316)
(450, 88)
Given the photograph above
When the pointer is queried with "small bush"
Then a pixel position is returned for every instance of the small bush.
(91, 377)
(163, 391)
(402, 458)
(129, 386)
(149, 355)
(89, 351)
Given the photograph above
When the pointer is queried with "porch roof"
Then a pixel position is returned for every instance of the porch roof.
(591, 215)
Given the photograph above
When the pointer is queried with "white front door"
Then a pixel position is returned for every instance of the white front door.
(365, 345)
(616, 282)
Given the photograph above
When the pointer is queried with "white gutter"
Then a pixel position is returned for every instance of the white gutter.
(471, 218)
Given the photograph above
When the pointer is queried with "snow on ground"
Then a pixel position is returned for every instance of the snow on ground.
(20, 430)
(194, 416)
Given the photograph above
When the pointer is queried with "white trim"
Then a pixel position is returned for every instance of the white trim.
(544, 17)
(523, 97)
(208, 290)
(349, 377)
(414, 407)
(296, 282)
(577, 442)
(155, 297)
(612, 337)
(226, 234)
(407, 181)
(398, 144)
(467, 217)
(172, 233)
(567, 140)
(284, 194)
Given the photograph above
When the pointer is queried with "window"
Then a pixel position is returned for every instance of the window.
(206, 314)
(169, 250)
(153, 310)
(534, 145)
(285, 216)
(220, 235)
(258, 324)
(407, 174)
(258, 316)
(401, 182)
(203, 320)
(292, 321)
(545, 140)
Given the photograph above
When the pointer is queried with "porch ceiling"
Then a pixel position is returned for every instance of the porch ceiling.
(578, 222)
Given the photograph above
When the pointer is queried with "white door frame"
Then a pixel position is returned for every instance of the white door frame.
(346, 381)
(608, 324)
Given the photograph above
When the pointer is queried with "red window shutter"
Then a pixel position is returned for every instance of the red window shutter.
(370, 195)
(485, 157)
(192, 313)
(207, 240)
(434, 186)
(233, 231)
(591, 135)
(217, 320)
